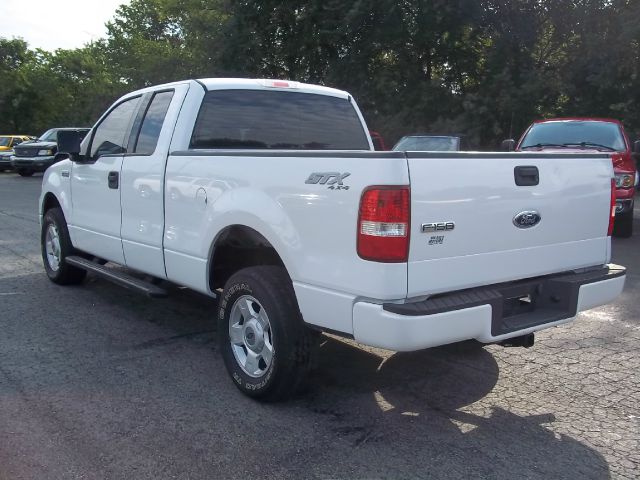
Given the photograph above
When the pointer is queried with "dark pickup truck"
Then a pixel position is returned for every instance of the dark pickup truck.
(39, 154)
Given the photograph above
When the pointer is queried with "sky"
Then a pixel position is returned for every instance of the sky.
(56, 24)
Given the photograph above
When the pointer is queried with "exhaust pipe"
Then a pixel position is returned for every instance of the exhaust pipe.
(525, 341)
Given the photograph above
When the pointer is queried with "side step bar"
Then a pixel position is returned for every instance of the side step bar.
(117, 277)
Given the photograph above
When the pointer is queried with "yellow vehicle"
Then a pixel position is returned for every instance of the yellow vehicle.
(7, 142)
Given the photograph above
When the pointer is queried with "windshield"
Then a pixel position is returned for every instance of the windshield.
(4, 141)
(49, 136)
(429, 144)
(587, 134)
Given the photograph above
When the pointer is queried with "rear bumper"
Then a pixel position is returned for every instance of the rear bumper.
(487, 314)
(37, 164)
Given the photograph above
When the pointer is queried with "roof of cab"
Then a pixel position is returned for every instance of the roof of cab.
(269, 84)
(251, 84)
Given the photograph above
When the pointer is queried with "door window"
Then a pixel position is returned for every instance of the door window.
(152, 123)
(112, 135)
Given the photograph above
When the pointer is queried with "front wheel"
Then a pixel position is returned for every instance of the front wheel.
(623, 224)
(264, 342)
(25, 172)
(56, 247)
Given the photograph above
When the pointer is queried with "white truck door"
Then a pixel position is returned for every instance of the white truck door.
(142, 180)
(95, 185)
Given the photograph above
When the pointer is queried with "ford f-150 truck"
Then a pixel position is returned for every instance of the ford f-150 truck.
(268, 196)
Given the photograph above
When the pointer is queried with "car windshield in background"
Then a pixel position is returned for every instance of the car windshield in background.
(257, 119)
(4, 141)
(581, 134)
(428, 144)
(49, 136)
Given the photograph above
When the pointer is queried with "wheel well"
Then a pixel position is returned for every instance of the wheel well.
(50, 201)
(239, 247)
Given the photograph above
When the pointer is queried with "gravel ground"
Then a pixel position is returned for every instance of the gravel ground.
(99, 382)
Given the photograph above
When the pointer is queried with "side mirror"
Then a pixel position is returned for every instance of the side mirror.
(508, 145)
(69, 144)
(636, 146)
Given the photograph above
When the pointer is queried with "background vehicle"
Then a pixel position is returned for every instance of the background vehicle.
(429, 143)
(7, 142)
(378, 141)
(39, 154)
(590, 134)
(267, 195)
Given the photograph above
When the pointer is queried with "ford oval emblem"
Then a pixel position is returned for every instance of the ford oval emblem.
(527, 219)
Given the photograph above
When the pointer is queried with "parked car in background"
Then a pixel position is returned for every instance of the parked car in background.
(576, 134)
(7, 142)
(39, 154)
(378, 141)
(429, 143)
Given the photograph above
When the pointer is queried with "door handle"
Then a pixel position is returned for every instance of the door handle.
(113, 179)
(526, 176)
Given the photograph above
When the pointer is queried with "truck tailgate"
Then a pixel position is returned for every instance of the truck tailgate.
(463, 211)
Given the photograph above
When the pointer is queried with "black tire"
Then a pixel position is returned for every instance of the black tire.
(64, 274)
(294, 344)
(25, 172)
(623, 225)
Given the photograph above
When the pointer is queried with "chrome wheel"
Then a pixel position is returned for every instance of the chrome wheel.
(52, 247)
(250, 336)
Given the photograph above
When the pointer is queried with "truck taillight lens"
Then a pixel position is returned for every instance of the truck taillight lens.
(612, 207)
(383, 224)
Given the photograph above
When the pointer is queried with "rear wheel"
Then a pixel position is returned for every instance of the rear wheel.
(623, 224)
(25, 172)
(264, 342)
(56, 247)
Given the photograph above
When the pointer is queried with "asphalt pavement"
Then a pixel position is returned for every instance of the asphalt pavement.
(97, 382)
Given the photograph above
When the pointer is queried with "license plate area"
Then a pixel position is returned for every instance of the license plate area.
(532, 303)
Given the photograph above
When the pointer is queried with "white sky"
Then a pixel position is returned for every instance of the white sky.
(52, 24)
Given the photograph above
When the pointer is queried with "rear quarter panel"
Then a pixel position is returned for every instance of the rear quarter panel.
(313, 228)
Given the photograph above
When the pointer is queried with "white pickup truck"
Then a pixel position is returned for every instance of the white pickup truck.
(268, 195)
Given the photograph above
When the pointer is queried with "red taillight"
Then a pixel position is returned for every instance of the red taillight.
(383, 224)
(612, 207)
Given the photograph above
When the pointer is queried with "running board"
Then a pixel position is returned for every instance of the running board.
(121, 278)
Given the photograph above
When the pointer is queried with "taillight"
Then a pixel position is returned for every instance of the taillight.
(612, 207)
(383, 224)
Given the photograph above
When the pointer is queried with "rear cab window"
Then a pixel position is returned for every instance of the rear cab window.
(265, 119)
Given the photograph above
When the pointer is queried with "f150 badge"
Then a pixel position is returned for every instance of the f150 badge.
(437, 227)
(332, 179)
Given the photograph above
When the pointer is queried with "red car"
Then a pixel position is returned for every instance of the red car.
(590, 134)
(378, 141)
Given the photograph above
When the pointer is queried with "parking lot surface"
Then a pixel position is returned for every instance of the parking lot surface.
(99, 382)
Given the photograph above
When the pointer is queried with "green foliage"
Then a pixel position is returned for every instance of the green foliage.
(484, 68)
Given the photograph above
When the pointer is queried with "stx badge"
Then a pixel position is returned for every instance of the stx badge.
(333, 179)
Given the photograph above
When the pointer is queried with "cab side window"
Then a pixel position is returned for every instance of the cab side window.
(112, 135)
(152, 123)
